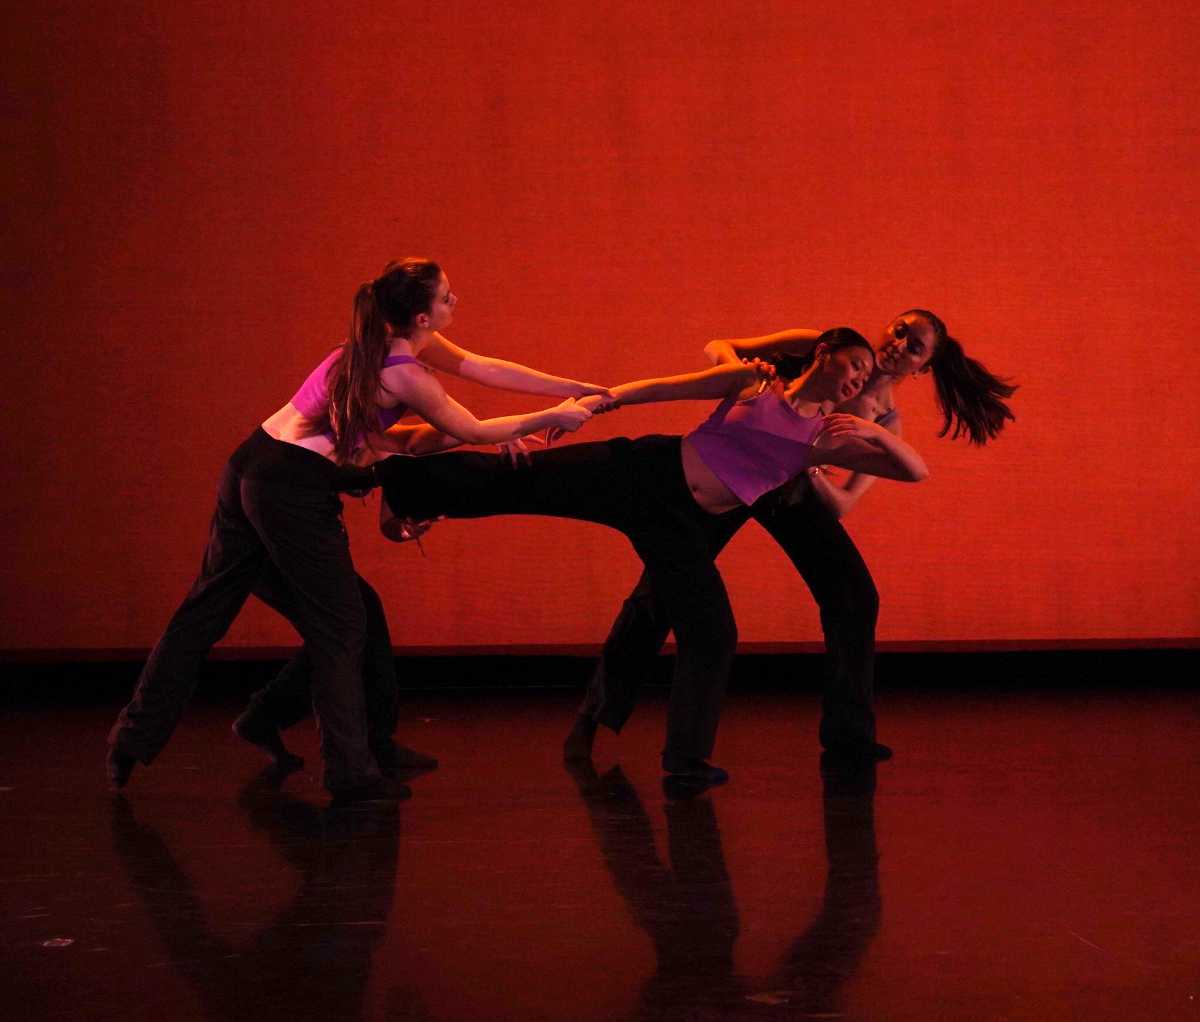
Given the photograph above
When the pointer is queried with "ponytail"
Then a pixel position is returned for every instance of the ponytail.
(972, 399)
(353, 379)
(404, 290)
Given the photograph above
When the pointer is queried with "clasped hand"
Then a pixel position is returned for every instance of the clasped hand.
(767, 371)
(599, 401)
(839, 424)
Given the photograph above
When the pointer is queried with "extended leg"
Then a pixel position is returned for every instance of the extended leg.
(588, 482)
(706, 635)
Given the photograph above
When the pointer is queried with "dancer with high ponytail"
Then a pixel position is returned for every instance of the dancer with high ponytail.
(277, 527)
(802, 516)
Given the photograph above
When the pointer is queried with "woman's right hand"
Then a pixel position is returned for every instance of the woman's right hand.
(570, 415)
(576, 413)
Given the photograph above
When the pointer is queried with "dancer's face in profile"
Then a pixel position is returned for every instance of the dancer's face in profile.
(441, 309)
(846, 370)
(908, 344)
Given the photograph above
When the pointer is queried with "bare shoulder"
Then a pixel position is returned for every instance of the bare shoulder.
(406, 378)
(875, 406)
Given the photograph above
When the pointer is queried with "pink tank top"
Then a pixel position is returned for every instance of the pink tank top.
(312, 399)
(754, 445)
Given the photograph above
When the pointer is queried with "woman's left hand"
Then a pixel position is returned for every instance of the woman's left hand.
(516, 451)
(765, 370)
(831, 473)
(844, 424)
(597, 404)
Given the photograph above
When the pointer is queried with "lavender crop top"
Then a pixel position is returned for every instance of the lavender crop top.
(312, 399)
(756, 444)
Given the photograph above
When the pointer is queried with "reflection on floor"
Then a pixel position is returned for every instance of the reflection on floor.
(1024, 857)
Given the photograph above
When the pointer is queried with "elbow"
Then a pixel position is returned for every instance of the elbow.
(918, 473)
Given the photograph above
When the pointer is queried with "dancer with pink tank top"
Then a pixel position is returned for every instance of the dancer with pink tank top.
(277, 527)
(670, 496)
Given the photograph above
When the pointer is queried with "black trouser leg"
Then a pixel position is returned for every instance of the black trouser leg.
(675, 539)
(697, 607)
(287, 698)
(636, 638)
(380, 687)
(589, 482)
(233, 560)
(831, 566)
(629, 653)
(307, 543)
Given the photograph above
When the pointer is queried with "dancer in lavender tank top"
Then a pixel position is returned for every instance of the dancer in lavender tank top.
(670, 495)
(802, 516)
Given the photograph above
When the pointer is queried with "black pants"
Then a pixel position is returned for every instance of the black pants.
(287, 698)
(636, 487)
(826, 558)
(277, 522)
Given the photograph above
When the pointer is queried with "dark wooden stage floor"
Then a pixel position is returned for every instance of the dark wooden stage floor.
(1026, 856)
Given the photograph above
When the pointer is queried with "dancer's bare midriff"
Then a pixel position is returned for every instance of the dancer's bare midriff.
(707, 490)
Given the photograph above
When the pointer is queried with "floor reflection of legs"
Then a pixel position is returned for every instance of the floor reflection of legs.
(314, 958)
(826, 955)
(687, 909)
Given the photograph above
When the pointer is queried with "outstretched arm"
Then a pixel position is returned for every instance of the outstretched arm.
(720, 381)
(862, 446)
(786, 342)
(441, 353)
(423, 394)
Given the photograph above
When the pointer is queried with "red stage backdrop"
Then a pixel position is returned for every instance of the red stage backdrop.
(195, 190)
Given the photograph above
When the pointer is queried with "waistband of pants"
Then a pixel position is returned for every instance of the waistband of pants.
(260, 454)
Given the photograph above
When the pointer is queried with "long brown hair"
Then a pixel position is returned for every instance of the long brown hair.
(395, 298)
(972, 399)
